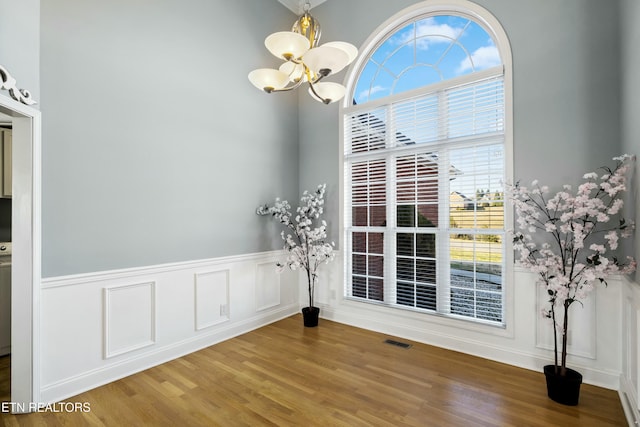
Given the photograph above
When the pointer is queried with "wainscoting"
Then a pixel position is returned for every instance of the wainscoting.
(630, 378)
(100, 327)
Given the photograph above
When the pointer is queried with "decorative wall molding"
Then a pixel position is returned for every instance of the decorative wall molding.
(136, 318)
(211, 298)
(583, 317)
(7, 82)
(125, 273)
(267, 295)
(129, 318)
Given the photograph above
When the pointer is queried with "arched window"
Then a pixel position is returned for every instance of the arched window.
(427, 143)
(426, 51)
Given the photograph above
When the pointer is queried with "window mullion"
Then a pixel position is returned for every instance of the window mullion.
(390, 233)
(443, 275)
(348, 221)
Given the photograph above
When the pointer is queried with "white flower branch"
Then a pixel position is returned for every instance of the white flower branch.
(580, 235)
(305, 240)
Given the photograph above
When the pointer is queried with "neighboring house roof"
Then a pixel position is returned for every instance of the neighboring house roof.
(457, 194)
(459, 200)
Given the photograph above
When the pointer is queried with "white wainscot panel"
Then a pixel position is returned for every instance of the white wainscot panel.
(105, 325)
(581, 340)
(211, 298)
(72, 337)
(267, 286)
(129, 318)
(328, 283)
(630, 378)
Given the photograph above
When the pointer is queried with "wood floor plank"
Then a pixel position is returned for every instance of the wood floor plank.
(286, 375)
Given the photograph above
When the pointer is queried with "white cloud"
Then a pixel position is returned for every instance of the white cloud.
(365, 94)
(430, 32)
(482, 58)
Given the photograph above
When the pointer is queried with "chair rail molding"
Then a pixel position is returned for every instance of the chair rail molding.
(7, 82)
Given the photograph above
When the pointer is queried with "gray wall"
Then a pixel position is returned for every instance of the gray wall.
(146, 159)
(566, 91)
(156, 148)
(630, 70)
(20, 43)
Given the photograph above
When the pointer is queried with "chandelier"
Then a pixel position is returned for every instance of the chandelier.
(304, 61)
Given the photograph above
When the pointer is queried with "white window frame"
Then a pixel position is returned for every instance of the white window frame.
(492, 26)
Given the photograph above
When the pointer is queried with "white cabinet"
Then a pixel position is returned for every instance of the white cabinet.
(5, 162)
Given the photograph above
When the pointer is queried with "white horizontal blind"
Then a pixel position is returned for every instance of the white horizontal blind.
(368, 218)
(416, 187)
(367, 131)
(471, 109)
(406, 160)
(476, 231)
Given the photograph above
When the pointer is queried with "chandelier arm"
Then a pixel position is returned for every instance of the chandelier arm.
(325, 101)
(288, 88)
(319, 77)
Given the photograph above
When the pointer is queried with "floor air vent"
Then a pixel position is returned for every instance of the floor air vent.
(398, 343)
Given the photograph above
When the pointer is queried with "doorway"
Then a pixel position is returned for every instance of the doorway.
(25, 236)
(5, 258)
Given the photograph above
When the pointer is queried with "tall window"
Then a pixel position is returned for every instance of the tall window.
(424, 165)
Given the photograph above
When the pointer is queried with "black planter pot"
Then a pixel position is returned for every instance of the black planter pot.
(563, 389)
(310, 316)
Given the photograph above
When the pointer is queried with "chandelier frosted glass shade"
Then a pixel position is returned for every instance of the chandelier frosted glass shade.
(348, 48)
(327, 92)
(294, 71)
(305, 61)
(287, 45)
(326, 58)
(268, 79)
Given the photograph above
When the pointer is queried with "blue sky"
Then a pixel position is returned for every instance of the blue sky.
(425, 52)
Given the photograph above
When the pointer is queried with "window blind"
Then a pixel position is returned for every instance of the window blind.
(425, 217)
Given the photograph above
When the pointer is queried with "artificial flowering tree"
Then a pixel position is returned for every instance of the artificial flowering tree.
(305, 239)
(571, 240)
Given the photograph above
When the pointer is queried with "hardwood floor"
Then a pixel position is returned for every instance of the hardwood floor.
(333, 375)
(5, 380)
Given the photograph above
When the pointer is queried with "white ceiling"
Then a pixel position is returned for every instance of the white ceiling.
(297, 6)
